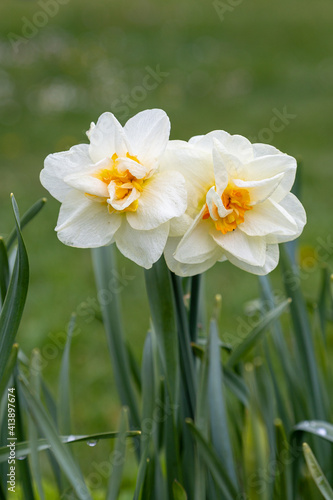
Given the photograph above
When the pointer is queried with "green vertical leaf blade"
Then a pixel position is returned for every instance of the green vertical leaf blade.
(162, 308)
(217, 408)
(13, 306)
(119, 453)
(316, 473)
(105, 267)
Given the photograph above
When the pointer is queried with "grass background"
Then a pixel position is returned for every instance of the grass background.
(222, 74)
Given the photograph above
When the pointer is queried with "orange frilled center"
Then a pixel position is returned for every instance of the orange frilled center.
(235, 199)
(123, 181)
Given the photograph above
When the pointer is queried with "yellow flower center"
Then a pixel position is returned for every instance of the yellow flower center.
(235, 199)
(124, 182)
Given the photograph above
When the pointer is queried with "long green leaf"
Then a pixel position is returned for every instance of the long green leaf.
(104, 266)
(26, 218)
(318, 428)
(317, 474)
(303, 337)
(187, 363)
(217, 408)
(120, 452)
(23, 448)
(64, 410)
(13, 306)
(178, 491)
(9, 369)
(65, 460)
(162, 309)
(257, 332)
(215, 467)
(4, 271)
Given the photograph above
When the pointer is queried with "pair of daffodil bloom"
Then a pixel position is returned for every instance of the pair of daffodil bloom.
(216, 197)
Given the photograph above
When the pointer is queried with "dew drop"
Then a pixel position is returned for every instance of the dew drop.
(322, 431)
(23, 457)
(92, 442)
(70, 438)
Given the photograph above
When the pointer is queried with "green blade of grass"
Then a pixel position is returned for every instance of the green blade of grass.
(64, 410)
(282, 480)
(257, 332)
(303, 337)
(162, 309)
(13, 306)
(318, 428)
(4, 271)
(215, 467)
(217, 408)
(104, 265)
(26, 218)
(236, 385)
(9, 369)
(119, 453)
(23, 448)
(316, 473)
(195, 306)
(32, 428)
(187, 364)
(178, 491)
(64, 458)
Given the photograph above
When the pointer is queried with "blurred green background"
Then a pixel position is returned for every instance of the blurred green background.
(233, 65)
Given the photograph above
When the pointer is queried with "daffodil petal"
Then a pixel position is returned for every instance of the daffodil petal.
(215, 205)
(236, 145)
(220, 161)
(163, 197)
(87, 184)
(260, 190)
(271, 261)
(249, 249)
(148, 134)
(292, 207)
(197, 244)
(268, 218)
(143, 247)
(136, 169)
(182, 269)
(196, 167)
(270, 166)
(107, 138)
(85, 223)
(58, 165)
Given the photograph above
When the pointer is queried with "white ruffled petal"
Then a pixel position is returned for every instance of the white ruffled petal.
(182, 269)
(270, 166)
(249, 249)
(197, 168)
(269, 219)
(84, 223)
(197, 244)
(271, 261)
(107, 138)
(148, 134)
(294, 208)
(215, 205)
(143, 247)
(59, 165)
(163, 197)
(260, 190)
(236, 145)
(220, 161)
(136, 169)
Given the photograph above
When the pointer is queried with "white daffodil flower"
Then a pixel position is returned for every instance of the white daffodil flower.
(239, 204)
(114, 190)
